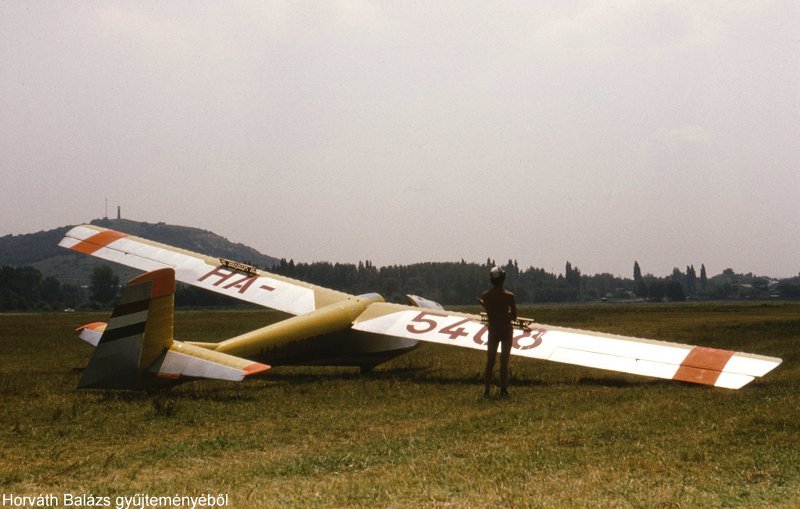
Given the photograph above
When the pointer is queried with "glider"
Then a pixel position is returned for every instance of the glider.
(136, 350)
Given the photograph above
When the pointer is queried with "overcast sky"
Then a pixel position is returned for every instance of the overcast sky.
(599, 132)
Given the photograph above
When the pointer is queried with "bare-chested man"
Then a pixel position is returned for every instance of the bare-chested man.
(501, 310)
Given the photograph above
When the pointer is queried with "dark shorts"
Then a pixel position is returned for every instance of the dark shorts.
(501, 337)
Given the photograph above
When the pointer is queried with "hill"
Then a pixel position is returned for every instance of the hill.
(41, 249)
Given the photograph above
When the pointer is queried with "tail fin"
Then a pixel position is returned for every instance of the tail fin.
(136, 349)
(140, 331)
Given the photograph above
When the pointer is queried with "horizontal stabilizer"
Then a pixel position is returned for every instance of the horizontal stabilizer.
(91, 332)
(708, 366)
(185, 360)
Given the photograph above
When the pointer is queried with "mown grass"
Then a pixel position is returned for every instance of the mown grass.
(415, 433)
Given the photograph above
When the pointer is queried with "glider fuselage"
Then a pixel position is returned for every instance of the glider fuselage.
(322, 337)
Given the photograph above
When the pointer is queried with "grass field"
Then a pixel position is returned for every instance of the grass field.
(414, 433)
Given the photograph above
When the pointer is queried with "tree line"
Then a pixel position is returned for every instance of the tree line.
(459, 283)
(25, 289)
(449, 283)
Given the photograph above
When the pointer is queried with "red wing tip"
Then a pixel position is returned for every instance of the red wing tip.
(255, 368)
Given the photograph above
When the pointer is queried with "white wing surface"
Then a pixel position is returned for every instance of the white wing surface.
(183, 359)
(92, 332)
(250, 285)
(708, 366)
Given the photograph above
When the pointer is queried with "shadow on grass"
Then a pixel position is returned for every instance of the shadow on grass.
(212, 391)
(620, 383)
(198, 390)
(429, 376)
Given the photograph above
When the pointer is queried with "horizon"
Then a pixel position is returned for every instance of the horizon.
(601, 133)
(646, 273)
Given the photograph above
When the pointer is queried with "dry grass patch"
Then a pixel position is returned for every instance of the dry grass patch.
(415, 434)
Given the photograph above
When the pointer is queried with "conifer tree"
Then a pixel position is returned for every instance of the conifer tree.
(641, 285)
(691, 280)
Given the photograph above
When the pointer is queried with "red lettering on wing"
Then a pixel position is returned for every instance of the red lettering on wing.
(454, 331)
(241, 284)
(480, 336)
(535, 336)
(430, 323)
(221, 273)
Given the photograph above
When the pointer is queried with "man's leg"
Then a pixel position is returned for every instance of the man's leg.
(491, 354)
(505, 355)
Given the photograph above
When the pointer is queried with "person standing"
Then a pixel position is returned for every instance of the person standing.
(501, 310)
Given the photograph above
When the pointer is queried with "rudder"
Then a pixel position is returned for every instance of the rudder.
(138, 333)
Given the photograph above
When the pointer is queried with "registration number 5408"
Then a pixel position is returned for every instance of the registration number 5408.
(426, 322)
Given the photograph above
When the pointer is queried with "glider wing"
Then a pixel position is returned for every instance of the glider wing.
(236, 280)
(708, 366)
